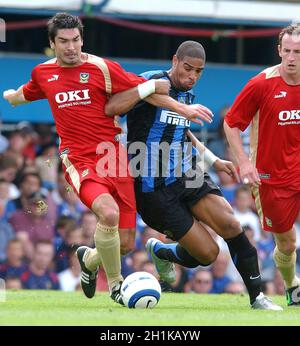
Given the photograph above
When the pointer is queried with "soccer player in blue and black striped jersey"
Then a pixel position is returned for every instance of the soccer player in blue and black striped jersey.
(172, 191)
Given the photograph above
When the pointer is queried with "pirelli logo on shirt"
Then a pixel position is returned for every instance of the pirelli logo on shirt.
(173, 118)
(291, 117)
(73, 98)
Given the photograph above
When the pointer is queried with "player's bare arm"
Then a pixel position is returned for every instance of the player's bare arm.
(15, 97)
(248, 171)
(195, 113)
(213, 160)
(124, 101)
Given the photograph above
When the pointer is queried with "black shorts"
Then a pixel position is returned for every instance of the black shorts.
(167, 209)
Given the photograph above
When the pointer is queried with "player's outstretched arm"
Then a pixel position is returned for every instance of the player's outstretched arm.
(195, 113)
(212, 160)
(248, 171)
(124, 101)
(15, 97)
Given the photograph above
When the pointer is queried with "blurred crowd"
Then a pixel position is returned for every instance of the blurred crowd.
(42, 222)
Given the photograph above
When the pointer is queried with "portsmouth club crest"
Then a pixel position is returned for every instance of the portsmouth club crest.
(84, 77)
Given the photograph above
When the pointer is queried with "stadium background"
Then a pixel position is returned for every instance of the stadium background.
(141, 38)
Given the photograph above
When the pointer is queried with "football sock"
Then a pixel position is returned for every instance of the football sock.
(107, 242)
(175, 253)
(286, 264)
(92, 259)
(244, 257)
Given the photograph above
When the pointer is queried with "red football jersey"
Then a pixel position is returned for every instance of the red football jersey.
(273, 107)
(77, 97)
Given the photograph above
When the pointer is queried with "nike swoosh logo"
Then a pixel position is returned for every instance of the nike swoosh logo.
(255, 277)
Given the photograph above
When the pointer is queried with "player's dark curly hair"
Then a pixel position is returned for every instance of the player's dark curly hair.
(191, 49)
(292, 29)
(63, 21)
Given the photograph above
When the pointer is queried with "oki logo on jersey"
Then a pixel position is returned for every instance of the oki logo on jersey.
(74, 95)
(289, 115)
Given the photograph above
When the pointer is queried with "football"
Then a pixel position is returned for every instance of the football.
(140, 290)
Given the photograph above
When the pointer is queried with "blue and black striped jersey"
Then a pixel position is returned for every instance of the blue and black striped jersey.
(158, 147)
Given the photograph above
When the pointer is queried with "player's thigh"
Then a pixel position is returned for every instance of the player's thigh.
(97, 196)
(200, 244)
(216, 212)
(163, 211)
(124, 196)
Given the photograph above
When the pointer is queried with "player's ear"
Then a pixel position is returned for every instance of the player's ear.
(52, 45)
(174, 60)
(279, 50)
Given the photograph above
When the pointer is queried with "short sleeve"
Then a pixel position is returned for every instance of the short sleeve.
(122, 80)
(31, 89)
(246, 104)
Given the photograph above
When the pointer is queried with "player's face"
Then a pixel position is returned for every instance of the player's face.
(186, 72)
(67, 45)
(289, 51)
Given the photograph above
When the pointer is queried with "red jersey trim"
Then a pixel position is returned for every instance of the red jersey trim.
(101, 64)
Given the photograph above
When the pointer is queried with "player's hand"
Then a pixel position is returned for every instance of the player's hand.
(196, 112)
(227, 167)
(249, 174)
(162, 86)
(8, 94)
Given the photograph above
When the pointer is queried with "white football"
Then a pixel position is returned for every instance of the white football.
(140, 290)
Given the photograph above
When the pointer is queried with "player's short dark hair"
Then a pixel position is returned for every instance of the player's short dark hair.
(63, 21)
(292, 29)
(191, 49)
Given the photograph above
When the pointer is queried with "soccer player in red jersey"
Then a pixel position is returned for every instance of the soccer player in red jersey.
(271, 101)
(77, 86)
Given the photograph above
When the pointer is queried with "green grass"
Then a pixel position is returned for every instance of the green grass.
(61, 308)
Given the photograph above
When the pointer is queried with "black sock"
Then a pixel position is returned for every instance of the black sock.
(244, 257)
(177, 254)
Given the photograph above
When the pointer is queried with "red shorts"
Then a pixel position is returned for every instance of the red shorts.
(81, 174)
(277, 207)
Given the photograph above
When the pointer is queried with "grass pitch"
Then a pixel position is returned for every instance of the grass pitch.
(52, 308)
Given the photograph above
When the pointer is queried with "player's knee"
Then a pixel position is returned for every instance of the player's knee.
(287, 246)
(210, 254)
(232, 227)
(109, 216)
